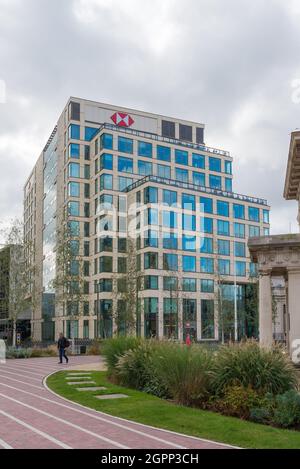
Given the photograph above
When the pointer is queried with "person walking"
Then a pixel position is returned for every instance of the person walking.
(62, 344)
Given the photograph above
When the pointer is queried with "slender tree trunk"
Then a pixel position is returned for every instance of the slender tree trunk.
(14, 335)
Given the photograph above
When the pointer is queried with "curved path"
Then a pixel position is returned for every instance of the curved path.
(31, 416)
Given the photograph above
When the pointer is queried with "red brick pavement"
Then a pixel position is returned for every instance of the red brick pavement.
(33, 417)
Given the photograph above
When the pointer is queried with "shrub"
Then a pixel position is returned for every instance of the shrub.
(238, 401)
(184, 371)
(14, 352)
(50, 351)
(287, 409)
(247, 364)
(113, 349)
(136, 369)
(260, 415)
(94, 348)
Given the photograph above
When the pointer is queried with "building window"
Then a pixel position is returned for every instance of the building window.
(106, 161)
(186, 132)
(222, 208)
(188, 222)
(124, 183)
(74, 131)
(105, 264)
(239, 249)
(87, 173)
(266, 216)
(169, 197)
(125, 165)
(239, 230)
(170, 262)
(188, 202)
(145, 149)
(253, 269)
(144, 168)
(168, 129)
(150, 195)
(163, 153)
(228, 167)
(89, 133)
(189, 311)
(150, 260)
(239, 211)
(189, 284)
(206, 246)
(189, 264)
(266, 231)
(253, 213)
(181, 157)
(224, 266)
(105, 244)
(74, 170)
(206, 225)
(170, 283)
(207, 286)
(215, 164)
(228, 184)
(206, 205)
(74, 150)
(122, 265)
(106, 142)
(207, 265)
(151, 282)
(73, 209)
(199, 135)
(74, 229)
(198, 161)
(223, 228)
(74, 111)
(254, 231)
(163, 171)
(106, 181)
(74, 189)
(240, 268)
(182, 175)
(223, 247)
(151, 216)
(125, 145)
(215, 182)
(170, 240)
(151, 239)
(199, 179)
(105, 285)
(171, 318)
(188, 243)
(169, 219)
(207, 319)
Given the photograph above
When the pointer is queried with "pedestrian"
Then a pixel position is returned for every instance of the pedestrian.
(62, 344)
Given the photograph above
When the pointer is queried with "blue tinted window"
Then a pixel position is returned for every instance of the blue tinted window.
(215, 164)
(206, 205)
(189, 284)
(73, 208)
(189, 264)
(253, 213)
(206, 225)
(170, 261)
(228, 184)
(206, 246)
(170, 240)
(207, 286)
(223, 228)
(223, 208)
(239, 230)
(163, 171)
(74, 150)
(215, 182)
(106, 142)
(169, 219)
(125, 145)
(150, 195)
(253, 269)
(106, 181)
(163, 153)
(74, 228)
(74, 170)
(266, 216)
(189, 243)
(188, 222)
(74, 189)
(145, 149)
(124, 182)
(151, 240)
(240, 268)
(254, 231)
(224, 267)
(207, 265)
(198, 161)
(188, 202)
(239, 249)
(181, 157)
(182, 175)
(169, 197)
(266, 231)
(223, 247)
(228, 167)
(239, 211)
(74, 131)
(125, 164)
(198, 179)
(89, 133)
(144, 168)
(106, 161)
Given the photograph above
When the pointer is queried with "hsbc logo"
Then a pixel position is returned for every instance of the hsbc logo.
(121, 119)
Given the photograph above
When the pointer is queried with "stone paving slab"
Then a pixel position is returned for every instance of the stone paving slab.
(111, 396)
(81, 382)
(71, 378)
(92, 388)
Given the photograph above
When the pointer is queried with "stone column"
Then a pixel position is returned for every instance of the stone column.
(293, 306)
(265, 309)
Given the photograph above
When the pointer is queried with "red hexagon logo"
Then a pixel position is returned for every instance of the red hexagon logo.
(121, 119)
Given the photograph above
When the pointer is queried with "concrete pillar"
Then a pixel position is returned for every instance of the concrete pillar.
(293, 308)
(265, 309)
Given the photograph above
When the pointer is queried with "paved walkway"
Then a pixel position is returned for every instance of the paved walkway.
(33, 417)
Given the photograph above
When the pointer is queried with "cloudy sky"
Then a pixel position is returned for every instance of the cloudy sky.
(232, 65)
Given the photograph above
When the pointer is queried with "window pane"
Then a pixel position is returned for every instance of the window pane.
(125, 145)
(145, 149)
(181, 157)
(163, 153)
(125, 164)
(198, 161)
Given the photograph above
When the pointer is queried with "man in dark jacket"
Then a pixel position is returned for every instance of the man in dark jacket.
(62, 344)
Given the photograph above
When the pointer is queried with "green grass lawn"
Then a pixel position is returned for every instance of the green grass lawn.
(147, 409)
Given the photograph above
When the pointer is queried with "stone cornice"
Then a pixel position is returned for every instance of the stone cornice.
(292, 180)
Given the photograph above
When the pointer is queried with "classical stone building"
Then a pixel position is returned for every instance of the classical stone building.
(280, 256)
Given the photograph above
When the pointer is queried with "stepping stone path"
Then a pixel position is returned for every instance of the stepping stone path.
(70, 378)
(111, 396)
(92, 388)
(81, 382)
